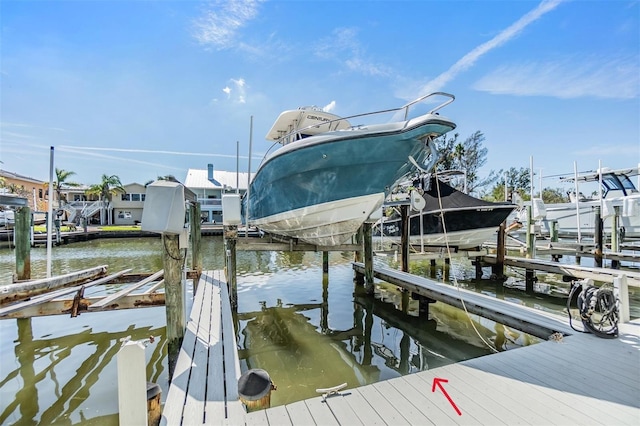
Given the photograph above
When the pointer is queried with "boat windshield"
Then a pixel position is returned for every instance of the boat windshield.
(619, 184)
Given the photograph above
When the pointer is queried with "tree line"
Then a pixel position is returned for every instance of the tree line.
(470, 155)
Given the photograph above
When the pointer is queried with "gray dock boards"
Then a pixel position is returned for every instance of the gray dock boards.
(529, 320)
(204, 388)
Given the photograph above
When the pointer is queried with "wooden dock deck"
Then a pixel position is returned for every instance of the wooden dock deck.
(580, 272)
(580, 379)
(204, 387)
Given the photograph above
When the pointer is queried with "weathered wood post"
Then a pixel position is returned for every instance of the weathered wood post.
(196, 241)
(325, 263)
(358, 256)
(598, 238)
(554, 231)
(404, 213)
(529, 280)
(368, 257)
(23, 242)
(498, 268)
(230, 242)
(615, 241)
(172, 260)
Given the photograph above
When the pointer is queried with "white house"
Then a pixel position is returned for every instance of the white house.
(209, 185)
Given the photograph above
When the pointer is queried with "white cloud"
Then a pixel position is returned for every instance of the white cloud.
(227, 90)
(599, 77)
(219, 24)
(343, 45)
(330, 107)
(468, 60)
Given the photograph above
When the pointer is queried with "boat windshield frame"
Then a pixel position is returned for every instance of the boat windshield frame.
(284, 139)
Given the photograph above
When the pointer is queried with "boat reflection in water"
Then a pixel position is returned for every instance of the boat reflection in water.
(381, 342)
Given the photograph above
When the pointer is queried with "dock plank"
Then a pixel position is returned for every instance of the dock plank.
(279, 416)
(363, 409)
(382, 406)
(107, 301)
(342, 410)
(176, 397)
(299, 413)
(321, 413)
(193, 412)
(199, 392)
(257, 418)
(402, 403)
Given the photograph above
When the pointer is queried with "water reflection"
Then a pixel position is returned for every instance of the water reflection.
(308, 330)
(53, 378)
(304, 346)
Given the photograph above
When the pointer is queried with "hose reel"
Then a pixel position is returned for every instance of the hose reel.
(597, 306)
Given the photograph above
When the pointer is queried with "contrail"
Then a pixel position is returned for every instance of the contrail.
(146, 151)
(470, 58)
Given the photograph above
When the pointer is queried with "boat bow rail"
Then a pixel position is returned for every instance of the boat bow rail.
(405, 108)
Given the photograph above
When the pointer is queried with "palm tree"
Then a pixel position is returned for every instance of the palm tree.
(170, 178)
(61, 180)
(109, 186)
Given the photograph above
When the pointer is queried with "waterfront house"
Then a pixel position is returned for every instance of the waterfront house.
(27, 187)
(209, 185)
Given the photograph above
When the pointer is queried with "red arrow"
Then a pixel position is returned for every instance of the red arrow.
(438, 382)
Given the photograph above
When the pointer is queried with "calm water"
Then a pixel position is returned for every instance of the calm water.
(306, 331)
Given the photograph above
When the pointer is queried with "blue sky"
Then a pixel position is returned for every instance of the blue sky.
(142, 89)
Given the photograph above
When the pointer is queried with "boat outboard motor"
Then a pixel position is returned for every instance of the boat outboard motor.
(597, 306)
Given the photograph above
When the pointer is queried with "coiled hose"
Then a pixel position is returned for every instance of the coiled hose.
(598, 308)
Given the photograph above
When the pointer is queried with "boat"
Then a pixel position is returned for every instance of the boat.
(328, 176)
(618, 190)
(449, 217)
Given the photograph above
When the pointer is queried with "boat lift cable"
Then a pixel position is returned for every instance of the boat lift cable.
(455, 280)
(598, 308)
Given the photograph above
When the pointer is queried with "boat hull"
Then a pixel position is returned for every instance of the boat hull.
(331, 176)
(465, 228)
(325, 224)
(567, 224)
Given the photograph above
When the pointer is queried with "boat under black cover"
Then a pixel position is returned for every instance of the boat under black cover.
(468, 221)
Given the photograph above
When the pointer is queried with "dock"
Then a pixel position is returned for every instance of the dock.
(574, 271)
(204, 387)
(572, 378)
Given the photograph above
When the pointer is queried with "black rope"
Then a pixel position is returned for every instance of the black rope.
(598, 309)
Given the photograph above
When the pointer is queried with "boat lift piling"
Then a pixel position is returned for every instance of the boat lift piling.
(598, 237)
(615, 240)
(22, 242)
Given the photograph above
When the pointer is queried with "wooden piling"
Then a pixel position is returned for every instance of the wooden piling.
(196, 239)
(501, 248)
(554, 231)
(404, 212)
(368, 257)
(598, 238)
(529, 280)
(23, 243)
(230, 240)
(172, 260)
(325, 263)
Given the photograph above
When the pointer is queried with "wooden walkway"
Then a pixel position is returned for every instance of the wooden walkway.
(580, 272)
(581, 379)
(204, 388)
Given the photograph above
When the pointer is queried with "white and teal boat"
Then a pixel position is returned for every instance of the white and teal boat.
(329, 176)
